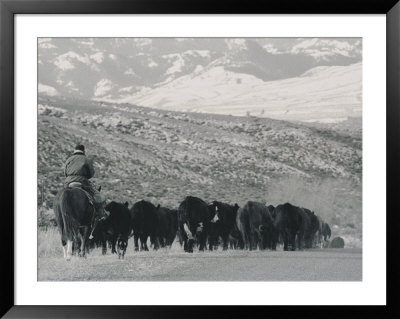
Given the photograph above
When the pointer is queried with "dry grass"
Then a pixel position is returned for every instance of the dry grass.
(49, 242)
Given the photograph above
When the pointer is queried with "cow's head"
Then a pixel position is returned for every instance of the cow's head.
(110, 206)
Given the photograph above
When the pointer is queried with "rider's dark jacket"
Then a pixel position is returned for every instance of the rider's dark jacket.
(78, 168)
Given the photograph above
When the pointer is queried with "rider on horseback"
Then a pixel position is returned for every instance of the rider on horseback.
(78, 170)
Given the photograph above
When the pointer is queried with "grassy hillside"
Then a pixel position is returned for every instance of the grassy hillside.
(162, 156)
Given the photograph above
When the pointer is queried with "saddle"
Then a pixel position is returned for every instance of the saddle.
(80, 186)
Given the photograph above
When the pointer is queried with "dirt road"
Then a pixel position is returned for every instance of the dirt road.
(175, 265)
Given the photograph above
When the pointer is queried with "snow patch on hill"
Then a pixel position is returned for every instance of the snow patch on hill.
(324, 94)
(47, 90)
(65, 61)
(102, 87)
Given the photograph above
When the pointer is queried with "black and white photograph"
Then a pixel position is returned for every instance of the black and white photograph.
(199, 159)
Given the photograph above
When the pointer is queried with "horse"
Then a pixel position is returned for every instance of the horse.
(74, 215)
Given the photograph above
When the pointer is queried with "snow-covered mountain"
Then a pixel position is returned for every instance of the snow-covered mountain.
(300, 79)
(321, 94)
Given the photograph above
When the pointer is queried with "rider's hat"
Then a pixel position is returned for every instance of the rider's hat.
(79, 149)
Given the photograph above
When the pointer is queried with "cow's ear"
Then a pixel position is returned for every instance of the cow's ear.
(126, 204)
(236, 205)
(158, 206)
(99, 188)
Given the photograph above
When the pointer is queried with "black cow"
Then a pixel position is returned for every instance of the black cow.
(167, 225)
(144, 223)
(101, 234)
(337, 242)
(291, 221)
(255, 223)
(115, 228)
(312, 229)
(194, 217)
(224, 220)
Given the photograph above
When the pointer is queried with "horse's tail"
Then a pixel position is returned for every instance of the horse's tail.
(69, 222)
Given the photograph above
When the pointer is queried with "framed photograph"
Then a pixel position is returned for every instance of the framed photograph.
(165, 154)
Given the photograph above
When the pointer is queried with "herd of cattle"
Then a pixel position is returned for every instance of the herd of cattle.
(198, 224)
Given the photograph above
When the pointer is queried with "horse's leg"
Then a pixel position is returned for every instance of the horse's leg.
(64, 246)
(84, 234)
(69, 249)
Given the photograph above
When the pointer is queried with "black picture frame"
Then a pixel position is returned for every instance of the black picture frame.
(8, 10)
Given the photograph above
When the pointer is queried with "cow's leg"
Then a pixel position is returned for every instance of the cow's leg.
(244, 239)
(252, 240)
(210, 242)
(113, 243)
(203, 240)
(156, 241)
(190, 239)
(225, 239)
(75, 246)
(183, 237)
(125, 246)
(135, 239)
(300, 240)
(161, 241)
(285, 243)
(180, 239)
(320, 240)
(240, 243)
(143, 241)
(274, 240)
(260, 240)
(103, 244)
(190, 245)
(293, 240)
